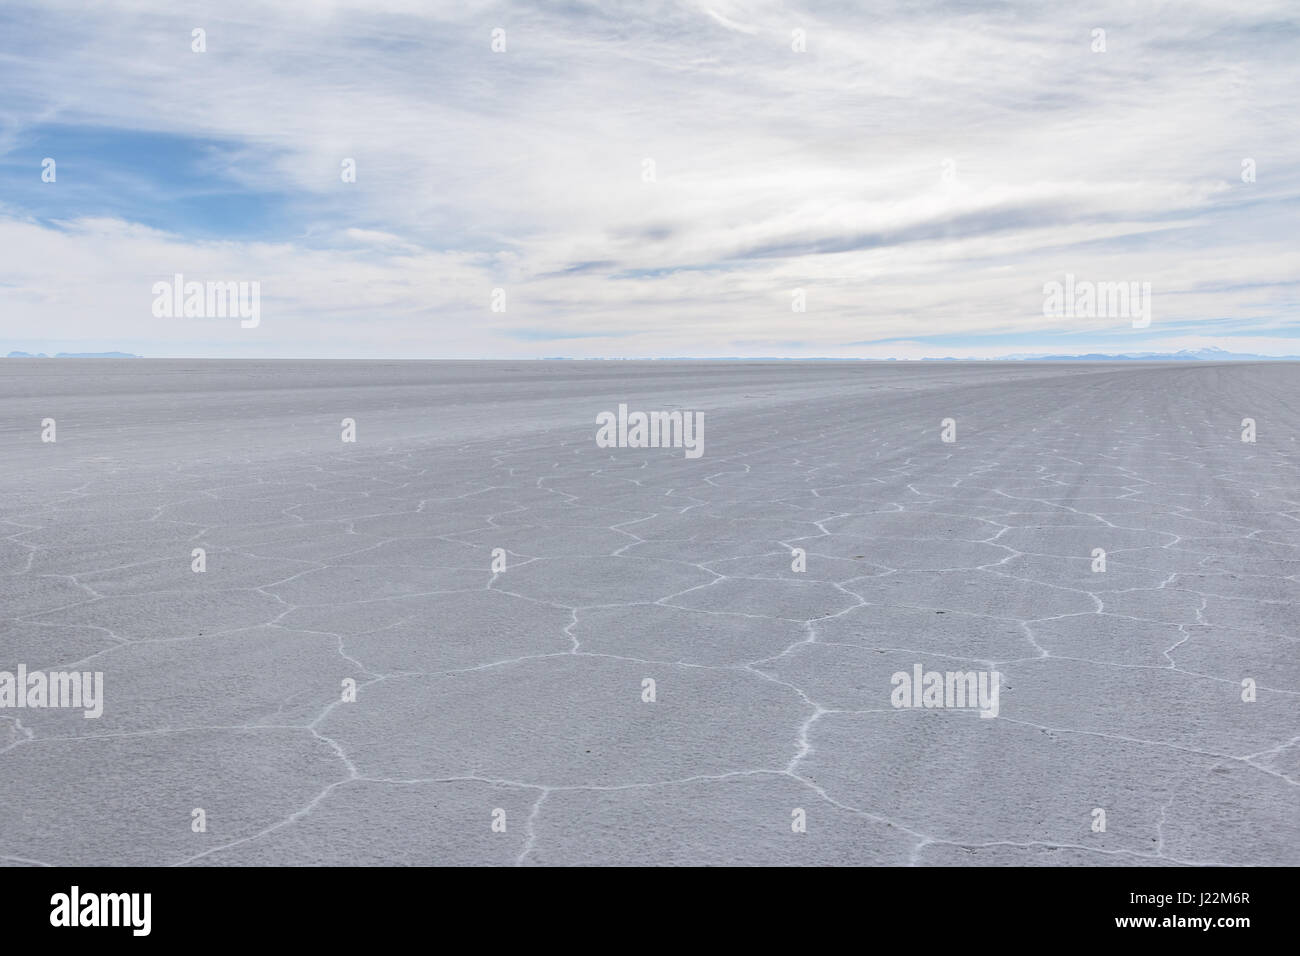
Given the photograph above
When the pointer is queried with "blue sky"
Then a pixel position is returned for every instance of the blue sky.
(918, 169)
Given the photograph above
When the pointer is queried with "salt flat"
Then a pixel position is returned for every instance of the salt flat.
(502, 716)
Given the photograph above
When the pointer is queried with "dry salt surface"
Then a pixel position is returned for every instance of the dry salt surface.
(516, 697)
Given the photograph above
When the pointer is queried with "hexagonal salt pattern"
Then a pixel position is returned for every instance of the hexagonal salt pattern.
(474, 637)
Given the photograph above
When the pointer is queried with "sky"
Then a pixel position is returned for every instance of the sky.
(649, 179)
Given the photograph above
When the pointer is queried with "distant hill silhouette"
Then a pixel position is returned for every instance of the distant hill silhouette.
(74, 355)
(1211, 354)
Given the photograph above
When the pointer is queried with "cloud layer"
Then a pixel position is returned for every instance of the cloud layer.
(649, 179)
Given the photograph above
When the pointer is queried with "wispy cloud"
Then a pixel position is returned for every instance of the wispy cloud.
(917, 170)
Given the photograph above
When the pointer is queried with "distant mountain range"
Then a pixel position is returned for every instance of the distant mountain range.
(73, 355)
(1184, 355)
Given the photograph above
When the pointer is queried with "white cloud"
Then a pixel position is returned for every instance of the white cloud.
(822, 170)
